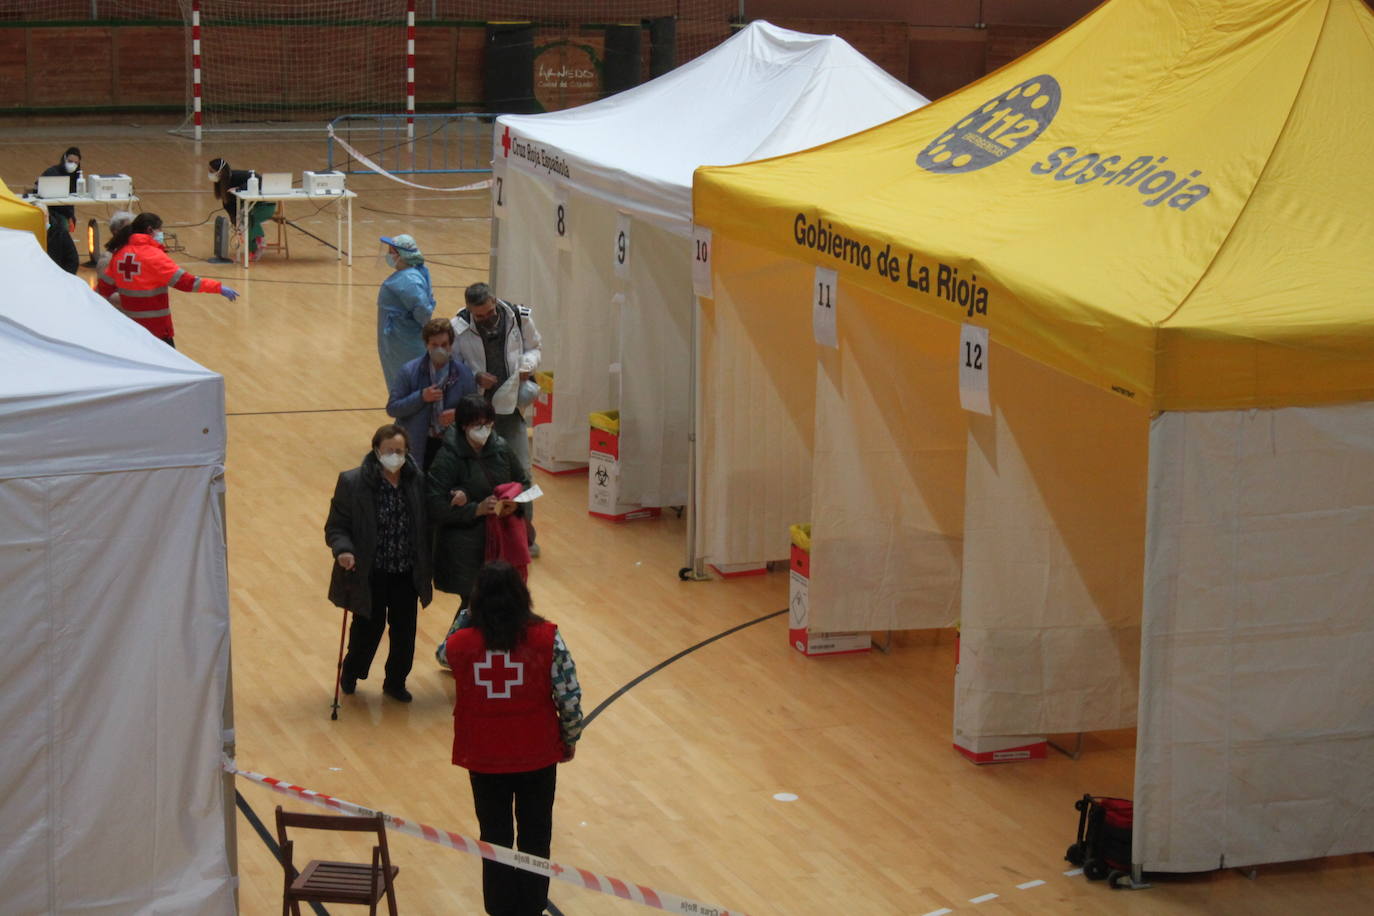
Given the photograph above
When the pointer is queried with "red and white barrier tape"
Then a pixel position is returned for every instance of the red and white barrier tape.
(638, 893)
(475, 186)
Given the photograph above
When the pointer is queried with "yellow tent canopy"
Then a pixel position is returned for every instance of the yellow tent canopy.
(15, 214)
(1170, 201)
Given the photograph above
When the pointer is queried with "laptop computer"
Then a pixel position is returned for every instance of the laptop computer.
(276, 182)
(55, 186)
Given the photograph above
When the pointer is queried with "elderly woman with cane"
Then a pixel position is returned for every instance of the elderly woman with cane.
(377, 531)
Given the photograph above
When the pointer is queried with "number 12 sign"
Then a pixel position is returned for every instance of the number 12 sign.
(973, 369)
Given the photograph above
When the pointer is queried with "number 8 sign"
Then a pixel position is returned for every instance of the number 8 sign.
(560, 219)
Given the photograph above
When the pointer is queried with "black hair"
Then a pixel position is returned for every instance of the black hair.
(386, 432)
(478, 293)
(501, 606)
(470, 409)
(147, 223)
(71, 151)
(222, 175)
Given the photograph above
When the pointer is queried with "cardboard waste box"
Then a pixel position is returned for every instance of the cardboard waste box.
(982, 749)
(541, 454)
(799, 634)
(603, 473)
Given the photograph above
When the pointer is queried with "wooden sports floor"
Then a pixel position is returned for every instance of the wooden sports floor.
(674, 782)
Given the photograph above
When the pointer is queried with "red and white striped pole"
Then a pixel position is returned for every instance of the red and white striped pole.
(195, 66)
(410, 69)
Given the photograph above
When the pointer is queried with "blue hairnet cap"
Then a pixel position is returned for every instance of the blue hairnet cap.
(402, 242)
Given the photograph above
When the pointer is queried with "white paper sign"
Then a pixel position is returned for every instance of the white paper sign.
(529, 496)
(621, 253)
(701, 262)
(823, 301)
(562, 237)
(973, 369)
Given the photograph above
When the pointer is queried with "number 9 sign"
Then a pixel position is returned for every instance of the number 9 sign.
(621, 254)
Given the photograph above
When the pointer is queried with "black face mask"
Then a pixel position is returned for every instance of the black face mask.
(489, 324)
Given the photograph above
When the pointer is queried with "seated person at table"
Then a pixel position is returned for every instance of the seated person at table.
(228, 180)
(70, 165)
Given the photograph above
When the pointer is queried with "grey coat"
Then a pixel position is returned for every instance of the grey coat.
(352, 528)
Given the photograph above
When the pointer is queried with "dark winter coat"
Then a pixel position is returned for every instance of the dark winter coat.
(460, 535)
(352, 528)
(61, 248)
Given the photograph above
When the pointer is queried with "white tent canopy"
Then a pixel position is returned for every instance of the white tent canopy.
(114, 623)
(593, 216)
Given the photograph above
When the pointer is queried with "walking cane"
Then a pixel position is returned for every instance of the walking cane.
(338, 668)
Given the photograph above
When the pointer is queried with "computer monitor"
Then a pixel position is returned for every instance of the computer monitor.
(276, 183)
(54, 186)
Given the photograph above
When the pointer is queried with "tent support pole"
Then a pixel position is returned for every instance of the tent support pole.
(695, 570)
(1071, 754)
(228, 746)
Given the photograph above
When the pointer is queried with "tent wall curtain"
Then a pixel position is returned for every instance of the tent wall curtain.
(888, 474)
(655, 357)
(1053, 545)
(115, 629)
(1256, 701)
(756, 385)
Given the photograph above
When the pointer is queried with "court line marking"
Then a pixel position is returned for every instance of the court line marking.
(1029, 884)
(984, 898)
(668, 661)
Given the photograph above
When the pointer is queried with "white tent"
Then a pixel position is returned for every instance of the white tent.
(593, 212)
(114, 620)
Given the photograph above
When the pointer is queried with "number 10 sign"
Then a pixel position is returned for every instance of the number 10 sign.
(973, 369)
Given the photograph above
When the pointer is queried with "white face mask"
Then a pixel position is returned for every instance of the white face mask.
(158, 237)
(478, 435)
(438, 355)
(392, 260)
(69, 166)
(392, 462)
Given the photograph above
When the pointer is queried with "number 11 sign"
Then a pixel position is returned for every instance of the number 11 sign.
(824, 293)
(973, 369)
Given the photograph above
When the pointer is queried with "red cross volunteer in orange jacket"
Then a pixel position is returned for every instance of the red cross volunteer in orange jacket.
(142, 273)
(517, 714)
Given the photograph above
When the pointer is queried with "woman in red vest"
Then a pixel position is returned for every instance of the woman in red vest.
(518, 714)
(142, 273)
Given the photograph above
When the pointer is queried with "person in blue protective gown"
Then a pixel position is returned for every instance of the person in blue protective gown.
(405, 303)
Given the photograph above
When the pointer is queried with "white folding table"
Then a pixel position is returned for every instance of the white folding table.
(247, 202)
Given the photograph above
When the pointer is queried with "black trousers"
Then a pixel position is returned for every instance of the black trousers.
(432, 446)
(393, 601)
(510, 891)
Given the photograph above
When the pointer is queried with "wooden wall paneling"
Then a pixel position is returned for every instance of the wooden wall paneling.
(14, 66)
(70, 67)
(149, 66)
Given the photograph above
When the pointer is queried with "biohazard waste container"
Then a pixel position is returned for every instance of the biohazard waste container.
(799, 633)
(542, 450)
(603, 473)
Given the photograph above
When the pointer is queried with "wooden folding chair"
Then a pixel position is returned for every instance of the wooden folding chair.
(336, 882)
(283, 243)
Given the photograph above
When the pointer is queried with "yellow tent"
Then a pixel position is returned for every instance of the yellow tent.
(1083, 355)
(15, 214)
(1167, 201)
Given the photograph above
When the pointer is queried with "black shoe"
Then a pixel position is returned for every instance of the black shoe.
(348, 683)
(399, 694)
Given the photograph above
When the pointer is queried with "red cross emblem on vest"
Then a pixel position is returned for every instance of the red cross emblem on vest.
(501, 675)
(129, 267)
(505, 142)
